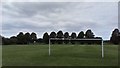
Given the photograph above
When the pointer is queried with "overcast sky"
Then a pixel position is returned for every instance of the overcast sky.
(40, 17)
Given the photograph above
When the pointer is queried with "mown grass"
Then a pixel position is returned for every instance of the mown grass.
(61, 55)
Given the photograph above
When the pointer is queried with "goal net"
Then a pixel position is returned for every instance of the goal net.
(63, 39)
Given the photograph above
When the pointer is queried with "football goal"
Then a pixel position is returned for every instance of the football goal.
(62, 39)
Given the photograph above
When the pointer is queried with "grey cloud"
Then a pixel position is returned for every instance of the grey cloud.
(53, 16)
(32, 8)
(23, 26)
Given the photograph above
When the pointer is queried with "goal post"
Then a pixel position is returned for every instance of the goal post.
(102, 49)
(49, 47)
(102, 46)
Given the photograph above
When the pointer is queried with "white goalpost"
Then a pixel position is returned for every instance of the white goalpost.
(102, 46)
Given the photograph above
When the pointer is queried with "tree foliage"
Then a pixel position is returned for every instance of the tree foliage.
(81, 35)
(20, 38)
(27, 38)
(5, 41)
(73, 36)
(66, 37)
(89, 34)
(13, 40)
(33, 37)
(60, 36)
(53, 35)
(115, 38)
(46, 38)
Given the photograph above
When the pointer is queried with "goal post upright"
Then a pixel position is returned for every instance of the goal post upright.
(102, 49)
(49, 47)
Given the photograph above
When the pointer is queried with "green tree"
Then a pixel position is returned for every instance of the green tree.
(27, 38)
(81, 35)
(89, 34)
(39, 40)
(66, 37)
(53, 35)
(98, 41)
(13, 40)
(20, 38)
(73, 36)
(33, 37)
(60, 36)
(5, 41)
(115, 36)
(46, 38)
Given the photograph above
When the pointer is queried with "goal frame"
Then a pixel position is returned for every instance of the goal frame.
(102, 46)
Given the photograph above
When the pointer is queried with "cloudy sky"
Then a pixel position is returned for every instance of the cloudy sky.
(40, 17)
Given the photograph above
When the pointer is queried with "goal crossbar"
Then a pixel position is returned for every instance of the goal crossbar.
(102, 47)
(71, 39)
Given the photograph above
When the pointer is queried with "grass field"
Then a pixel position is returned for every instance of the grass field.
(61, 55)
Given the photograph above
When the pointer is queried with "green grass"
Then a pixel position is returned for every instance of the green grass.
(64, 55)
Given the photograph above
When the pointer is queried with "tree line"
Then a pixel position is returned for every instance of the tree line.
(28, 38)
(67, 36)
(21, 38)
